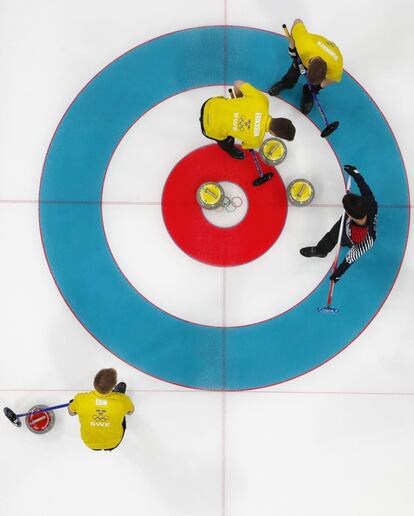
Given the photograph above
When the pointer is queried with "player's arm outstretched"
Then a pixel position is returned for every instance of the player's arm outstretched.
(358, 249)
(359, 180)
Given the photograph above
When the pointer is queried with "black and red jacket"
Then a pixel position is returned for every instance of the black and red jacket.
(360, 239)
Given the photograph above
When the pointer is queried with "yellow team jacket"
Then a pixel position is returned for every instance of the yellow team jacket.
(245, 118)
(101, 417)
(312, 45)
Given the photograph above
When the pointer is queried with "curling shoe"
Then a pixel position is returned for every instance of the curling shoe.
(276, 89)
(306, 102)
(120, 387)
(236, 153)
(310, 252)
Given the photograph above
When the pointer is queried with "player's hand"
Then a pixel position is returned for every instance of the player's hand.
(292, 51)
(334, 277)
(325, 83)
(351, 170)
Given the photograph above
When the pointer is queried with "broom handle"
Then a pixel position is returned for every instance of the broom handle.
(341, 229)
(297, 59)
(286, 30)
(43, 410)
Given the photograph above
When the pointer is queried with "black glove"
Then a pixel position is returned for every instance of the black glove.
(339, 271)
(335, 277)
(351, 170)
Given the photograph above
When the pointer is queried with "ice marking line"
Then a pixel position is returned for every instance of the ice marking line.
(158, 203)
(224, 380)
(224, 453)
(258, 391)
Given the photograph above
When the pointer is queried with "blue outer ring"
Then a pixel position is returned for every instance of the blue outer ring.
(101, 297)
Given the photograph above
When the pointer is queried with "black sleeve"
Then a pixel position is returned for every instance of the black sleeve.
(372, 207)
(364, 189)
(343, 267)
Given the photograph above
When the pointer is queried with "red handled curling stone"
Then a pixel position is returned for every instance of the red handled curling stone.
(42, 422)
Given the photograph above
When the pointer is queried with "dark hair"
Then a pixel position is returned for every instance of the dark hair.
(317, 70)
(283, 128)
(354, 205)
(105, 381)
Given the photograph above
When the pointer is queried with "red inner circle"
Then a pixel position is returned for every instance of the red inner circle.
(39, 421)
(210, 244)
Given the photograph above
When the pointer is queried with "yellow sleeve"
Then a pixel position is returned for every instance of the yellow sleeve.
(250, 91)
(73, 405)
(252, 144)
(129, 406)
(335, 76)
(298, 31)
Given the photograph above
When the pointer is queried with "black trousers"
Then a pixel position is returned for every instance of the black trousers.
(227, 144)
(329, 241)
(291, 77)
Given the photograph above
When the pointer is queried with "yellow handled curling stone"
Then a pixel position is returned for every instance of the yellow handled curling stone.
(210, 195)
(300, 192)
(273, 151)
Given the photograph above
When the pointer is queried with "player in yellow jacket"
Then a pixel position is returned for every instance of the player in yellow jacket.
(245, 117)
(321, 59)
(102, 411)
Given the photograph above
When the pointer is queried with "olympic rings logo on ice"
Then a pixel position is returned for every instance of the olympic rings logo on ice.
(230, 204)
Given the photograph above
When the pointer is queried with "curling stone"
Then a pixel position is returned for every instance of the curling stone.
(273, 151)
(210, 195)
(42, 422)
(300, 192)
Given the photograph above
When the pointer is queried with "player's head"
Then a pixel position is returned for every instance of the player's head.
(317, 70)
(283, 128)
(354, 205)
(105, 381)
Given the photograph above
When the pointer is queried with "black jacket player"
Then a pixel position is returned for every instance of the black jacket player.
(360, 227)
